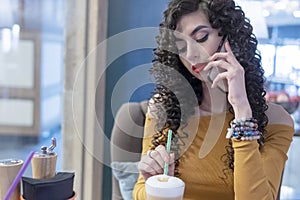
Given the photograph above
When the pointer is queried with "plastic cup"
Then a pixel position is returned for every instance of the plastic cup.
(163, 187)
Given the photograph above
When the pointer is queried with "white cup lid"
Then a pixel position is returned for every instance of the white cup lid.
(164, 186)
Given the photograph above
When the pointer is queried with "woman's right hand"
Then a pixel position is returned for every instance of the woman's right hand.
(153, 162)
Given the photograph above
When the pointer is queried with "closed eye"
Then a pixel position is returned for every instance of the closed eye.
(203, 39)
(182, 45)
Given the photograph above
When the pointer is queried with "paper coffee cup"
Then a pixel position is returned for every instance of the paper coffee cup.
(9, 168)
(162, 187)
(43, 166)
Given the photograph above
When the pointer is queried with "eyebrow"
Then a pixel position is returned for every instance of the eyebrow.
(193, 32)
(197, 29)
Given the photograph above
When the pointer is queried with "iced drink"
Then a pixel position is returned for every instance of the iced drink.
(162, 187)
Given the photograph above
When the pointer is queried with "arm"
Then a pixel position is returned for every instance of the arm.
(152, 163)
(139, 192)
(257, 173)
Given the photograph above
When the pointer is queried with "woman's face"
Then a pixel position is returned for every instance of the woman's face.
(196, 41)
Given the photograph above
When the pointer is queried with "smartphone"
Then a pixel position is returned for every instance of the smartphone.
(214, 71)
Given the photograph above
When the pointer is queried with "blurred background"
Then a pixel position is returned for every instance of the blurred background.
(66, 66)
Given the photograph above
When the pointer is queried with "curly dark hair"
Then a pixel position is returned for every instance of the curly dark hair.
(174, 102)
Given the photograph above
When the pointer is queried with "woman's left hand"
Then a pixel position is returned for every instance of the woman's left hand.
(235, 75)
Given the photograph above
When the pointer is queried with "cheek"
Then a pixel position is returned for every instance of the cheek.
(185, 62)
(208, 49)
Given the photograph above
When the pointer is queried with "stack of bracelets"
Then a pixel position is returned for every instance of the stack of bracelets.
(243, 129)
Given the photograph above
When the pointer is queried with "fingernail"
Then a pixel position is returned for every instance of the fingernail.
(206, 67)
(172, 155)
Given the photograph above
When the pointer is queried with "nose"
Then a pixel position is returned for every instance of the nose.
(193, 51)
(196, 52)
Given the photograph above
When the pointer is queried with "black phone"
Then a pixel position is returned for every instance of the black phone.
(224, 38)
(214, 71)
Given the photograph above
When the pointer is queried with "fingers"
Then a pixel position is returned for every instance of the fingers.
(172, 165)
(146, 170)
(153, 162)
(218, 56)
(223, 55)
(227, 56)
(155, 155)
(162, 153)
(225, 60)
(227, 47)
(219, 78)
(217, 63)
(149, 165)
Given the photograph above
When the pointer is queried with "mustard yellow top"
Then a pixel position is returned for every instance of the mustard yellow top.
(256, 175)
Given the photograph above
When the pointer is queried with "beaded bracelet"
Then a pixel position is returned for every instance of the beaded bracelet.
(244, 122)
(243, 129)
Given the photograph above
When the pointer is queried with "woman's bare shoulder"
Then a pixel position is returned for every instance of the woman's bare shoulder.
(278, 115)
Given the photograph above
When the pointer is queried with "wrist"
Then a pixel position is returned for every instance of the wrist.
(242, 110)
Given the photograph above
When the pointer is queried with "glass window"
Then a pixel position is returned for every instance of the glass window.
(268, 55)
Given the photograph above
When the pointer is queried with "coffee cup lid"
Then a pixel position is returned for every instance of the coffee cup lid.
(172, 187)
(10, 162)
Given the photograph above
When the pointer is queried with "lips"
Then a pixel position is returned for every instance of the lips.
(198, 67)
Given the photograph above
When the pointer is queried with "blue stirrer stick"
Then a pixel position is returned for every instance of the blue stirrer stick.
(166, 167)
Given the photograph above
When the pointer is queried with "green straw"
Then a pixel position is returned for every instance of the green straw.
(166, 168)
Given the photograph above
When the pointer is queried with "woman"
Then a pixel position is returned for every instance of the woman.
(239, 146)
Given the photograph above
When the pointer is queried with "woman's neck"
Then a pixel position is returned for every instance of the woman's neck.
(214, 101)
